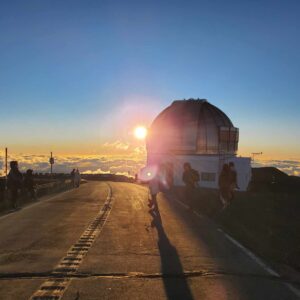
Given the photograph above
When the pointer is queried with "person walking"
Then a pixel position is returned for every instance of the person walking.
(232, 181)
(224, 185)
(2, 188)
(190, 178)
(14, 183)
(77, 178)
(73, 177)
(154, 190)
(29, 184)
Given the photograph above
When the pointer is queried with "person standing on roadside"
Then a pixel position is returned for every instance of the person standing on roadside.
(224, 185)
(14, 183)
(154, 190)
(190, 177)
(29, 184)
(73, 177)
(2, 188)
(77, 178)
(232, 181)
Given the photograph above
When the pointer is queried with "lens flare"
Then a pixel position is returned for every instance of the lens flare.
(140, 132)
(148, 173)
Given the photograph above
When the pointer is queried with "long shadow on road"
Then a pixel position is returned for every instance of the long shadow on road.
(171, 266)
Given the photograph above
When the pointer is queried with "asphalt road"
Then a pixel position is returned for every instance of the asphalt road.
(136, 254)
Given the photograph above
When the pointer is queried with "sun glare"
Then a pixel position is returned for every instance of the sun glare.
(140, 132)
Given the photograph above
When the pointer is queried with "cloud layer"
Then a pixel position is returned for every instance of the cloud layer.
(118, 158)
(290, 167)
(86, 164)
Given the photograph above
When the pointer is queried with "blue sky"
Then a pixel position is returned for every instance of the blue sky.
(75, 74)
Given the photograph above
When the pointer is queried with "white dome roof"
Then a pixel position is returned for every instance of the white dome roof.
(192, 127)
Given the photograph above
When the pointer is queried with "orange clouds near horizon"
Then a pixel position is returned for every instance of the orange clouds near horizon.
(116, 157)
(127, 160)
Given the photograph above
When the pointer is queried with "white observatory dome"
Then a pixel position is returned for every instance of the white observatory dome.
(192, 127)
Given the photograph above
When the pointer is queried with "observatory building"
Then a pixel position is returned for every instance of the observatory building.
(197, 132)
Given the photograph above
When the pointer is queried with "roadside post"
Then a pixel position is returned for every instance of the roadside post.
(6, 163)
(51, 161)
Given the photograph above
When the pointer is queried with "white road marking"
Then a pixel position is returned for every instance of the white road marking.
(250, 254)
(293, 289)
(258, 260)
(182, 204)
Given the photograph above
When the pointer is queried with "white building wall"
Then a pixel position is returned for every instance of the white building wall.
(208, 166)
(244, 171)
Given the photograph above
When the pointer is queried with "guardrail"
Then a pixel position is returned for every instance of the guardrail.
(41, 190)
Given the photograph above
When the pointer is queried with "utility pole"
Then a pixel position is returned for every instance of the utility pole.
(6, 163)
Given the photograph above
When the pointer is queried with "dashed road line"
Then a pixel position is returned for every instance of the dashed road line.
(53, 289)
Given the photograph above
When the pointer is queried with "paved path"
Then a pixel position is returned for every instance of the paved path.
(134, 255)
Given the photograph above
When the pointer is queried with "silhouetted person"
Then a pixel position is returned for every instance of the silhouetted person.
(224, 185)
(77, 178)
(2, 188)
(190, 178)
(232, 180)
(14, 182)
(154, 190)
(169, 175)
(170, 263)
(73, 177)
(29, 184)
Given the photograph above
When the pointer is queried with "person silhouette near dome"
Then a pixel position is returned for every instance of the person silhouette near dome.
(232, 180)
(190, 177)
(224, 185)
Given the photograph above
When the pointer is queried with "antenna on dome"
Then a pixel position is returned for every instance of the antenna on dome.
(255, 154)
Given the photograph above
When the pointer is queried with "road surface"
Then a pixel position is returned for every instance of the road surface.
(125, 252)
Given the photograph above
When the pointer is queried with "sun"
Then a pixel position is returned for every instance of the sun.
(140, 132)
